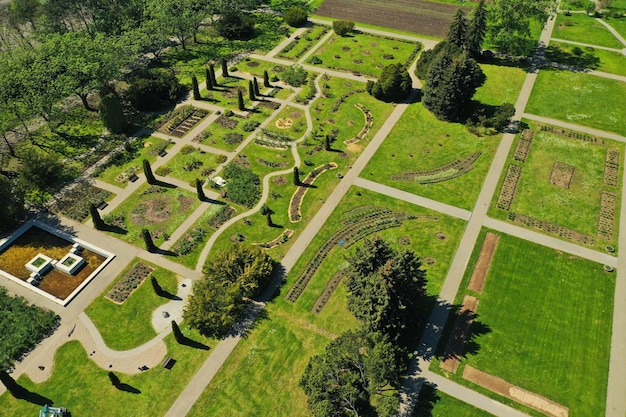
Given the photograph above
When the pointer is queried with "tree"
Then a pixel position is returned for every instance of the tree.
(153, 89)
(98, 223)
(476, 30)
(38, 169)
(509, 23)
(224, 65)
(181, 18)
(458, 30)
(450, 86)
(385, 288)
(22, 11)
(229, 279)
(158, 290)
(200, 190)
(12, 208)
(147, 240)
(343, 27)
(266, 79)
(296, 176)
(112, 114)
(426, 59)
(350, 377)
(234, 23)
(296, 17)
(327, 141)
(394, 84)
(209, 79)
(268, 216)
(147, 170)
(255, 83)
(251, 95)
(195, 88)
(178, 335)
(115, 381)
(212, 72)
(23, 326)
(240, 103)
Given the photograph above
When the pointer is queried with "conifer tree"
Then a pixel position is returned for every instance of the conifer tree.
(156, 286)
(240, 100)
(251, 95)
(207, 76)
(147, 240)
(115, 381)
(199, 190)
(224, 68)
(212, 72)
(147, 170)
(458, 30)
(296, 176)
(266, 79)
(476, 30)
(98, 223)
(256, 87)
(195, 88)
(178, 335)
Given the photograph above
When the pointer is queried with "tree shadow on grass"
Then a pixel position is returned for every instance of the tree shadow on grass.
(578, 58)
(113, 229)
(193, 343)
(128, 388)
(212, 201)
(165, 252)
(160, 183)
(460, 334)
(22, 393)
(426, 401)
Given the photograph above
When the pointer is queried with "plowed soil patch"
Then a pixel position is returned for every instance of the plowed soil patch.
(477, 282)
(416, 16)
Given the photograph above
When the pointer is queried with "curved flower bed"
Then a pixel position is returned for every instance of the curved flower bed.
(369, 121)
(298, 195)
(279, 240)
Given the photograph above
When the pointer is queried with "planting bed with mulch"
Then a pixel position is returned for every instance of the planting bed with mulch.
(74, 203)
(298, 196)
(129, 282)
(181, 121)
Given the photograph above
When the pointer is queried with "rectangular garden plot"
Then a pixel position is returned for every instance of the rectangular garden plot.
(180, 121)
(570, 186)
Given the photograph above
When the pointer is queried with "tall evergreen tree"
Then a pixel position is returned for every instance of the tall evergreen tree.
(240, 100)
(115, 381)
(266, 79)
(212, 72)
(458, 30)
(224, 68)
(296, 176)
(200, 190)
(147, 170)
(98, 223)
(195, 88)
(251, 95)
(158, 290)
(209, 80)
(476, 31)
(178, 335)
(147, 240)
(256, 87)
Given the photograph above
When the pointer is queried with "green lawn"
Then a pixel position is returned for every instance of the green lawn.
(581, 28)
(546, 311)
(364, 53)
(290, 121)
(588, 58)
(618, 24)
(81, 386)
(261, 376)
(576, 207)
(156, 208)
(257, 66)
(434, 403)
(502, 86)
(135, 313)
(190, 163)
(421, 142)
(214, 134)
(129, 160)
(579, 98)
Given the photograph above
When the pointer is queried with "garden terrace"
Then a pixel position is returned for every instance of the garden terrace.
(303, 43)
(180, 121)
(365, 53)
(159, 209)
(445, 172)
(298, 195)
(74, 202)
(126, 163)
(570, 186)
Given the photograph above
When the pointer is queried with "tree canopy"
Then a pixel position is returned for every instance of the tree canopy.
(229, 279)
(394, 84)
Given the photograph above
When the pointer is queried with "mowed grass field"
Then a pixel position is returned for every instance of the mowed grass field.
(417, 16)
(579, 98)
(585, 29)
(550, 316)
(421, 142)
(434, 403)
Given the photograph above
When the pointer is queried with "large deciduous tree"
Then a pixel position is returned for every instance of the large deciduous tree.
(12, 207)
(509, 23)
(230, 278)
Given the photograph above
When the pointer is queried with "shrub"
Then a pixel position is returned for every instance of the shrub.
(315, 60)
(296, 17)
(343, 27)
(243, 184)
(235, 24)
(394, 84)
(221, 159)
(112, 114)
(233, 138)
(250, 126)
(153, 89)
(295, 76)
(163, 170)
(187, 149)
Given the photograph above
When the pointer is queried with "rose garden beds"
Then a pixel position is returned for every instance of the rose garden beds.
(129, 283)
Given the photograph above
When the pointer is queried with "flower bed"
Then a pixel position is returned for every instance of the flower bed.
(181, 120)
(74, 203)
(129, 282)
(298, 195)
(279, 240)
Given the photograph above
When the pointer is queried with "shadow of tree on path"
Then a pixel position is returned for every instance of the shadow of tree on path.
(22, 393)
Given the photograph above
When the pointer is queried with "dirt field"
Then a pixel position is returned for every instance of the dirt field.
(477, 282)
(460, 333)
(418, 16)
(520, 395)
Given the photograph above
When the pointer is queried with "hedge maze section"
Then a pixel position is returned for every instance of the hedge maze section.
(445, 172)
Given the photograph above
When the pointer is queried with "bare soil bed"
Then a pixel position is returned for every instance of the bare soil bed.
(477, 282)
(418, 16)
